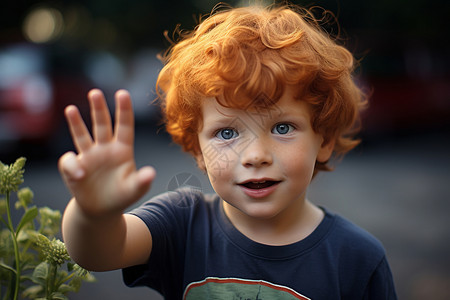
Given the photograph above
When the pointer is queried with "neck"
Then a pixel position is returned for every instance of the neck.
(291, 226)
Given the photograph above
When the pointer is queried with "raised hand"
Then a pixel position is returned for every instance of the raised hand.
(102, 176)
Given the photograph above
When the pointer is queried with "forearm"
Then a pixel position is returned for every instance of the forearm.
(104, 179)
(95, 243)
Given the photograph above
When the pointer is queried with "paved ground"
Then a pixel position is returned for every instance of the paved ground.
(399, 191)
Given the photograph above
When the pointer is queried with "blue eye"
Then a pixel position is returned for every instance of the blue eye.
(226, 134)
(282, 128)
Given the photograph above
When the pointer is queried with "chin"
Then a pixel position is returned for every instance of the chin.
(262, 212)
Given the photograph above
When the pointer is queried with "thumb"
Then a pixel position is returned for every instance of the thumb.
(70, 168)
(143, 179)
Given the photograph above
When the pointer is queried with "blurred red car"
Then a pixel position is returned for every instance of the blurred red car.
(31, 99)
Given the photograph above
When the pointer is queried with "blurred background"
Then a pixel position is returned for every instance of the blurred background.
(395, 184)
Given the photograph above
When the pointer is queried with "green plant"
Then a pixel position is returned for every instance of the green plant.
(34, 264)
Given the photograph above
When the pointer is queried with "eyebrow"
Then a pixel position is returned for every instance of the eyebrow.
(296, 114)
(219, 122)
(222, 121)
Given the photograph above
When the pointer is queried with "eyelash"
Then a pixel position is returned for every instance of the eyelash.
(290, 128)
(219, 133)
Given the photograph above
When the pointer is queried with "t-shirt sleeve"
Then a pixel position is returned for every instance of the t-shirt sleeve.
(166, 216)
(381, 284)
(363, 264)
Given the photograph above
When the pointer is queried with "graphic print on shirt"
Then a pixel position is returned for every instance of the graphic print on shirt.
(238, 289)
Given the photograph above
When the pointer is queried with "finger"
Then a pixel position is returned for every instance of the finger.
(140, 181)
(78, 130)
(145, 176)
(124, 128)
(69, 167)
(101, 119)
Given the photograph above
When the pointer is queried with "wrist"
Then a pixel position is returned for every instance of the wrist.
(91, 216)
(93, 241)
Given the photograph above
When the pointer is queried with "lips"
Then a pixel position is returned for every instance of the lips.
(256, 185)
(259, 188)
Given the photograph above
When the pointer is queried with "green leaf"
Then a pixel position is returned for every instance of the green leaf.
(33, 291)
(40, 274)
(27, 217)
(64, 289)
(58, 296)
(3, 221)
(5, 266)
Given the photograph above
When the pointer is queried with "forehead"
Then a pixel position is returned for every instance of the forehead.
(260, 107)
(287, 109)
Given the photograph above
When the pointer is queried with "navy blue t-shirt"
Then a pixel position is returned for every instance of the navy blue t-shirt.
(198, 254)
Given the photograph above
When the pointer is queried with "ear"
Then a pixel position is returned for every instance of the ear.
(326, 150)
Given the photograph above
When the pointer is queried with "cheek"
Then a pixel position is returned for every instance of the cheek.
(299, 163)
(218, 162)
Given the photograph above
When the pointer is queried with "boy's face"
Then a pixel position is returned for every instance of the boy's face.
(260, 160)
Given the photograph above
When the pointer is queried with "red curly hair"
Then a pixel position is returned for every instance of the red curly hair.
(239, 53)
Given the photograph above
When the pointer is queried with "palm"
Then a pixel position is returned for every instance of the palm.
(110, 181)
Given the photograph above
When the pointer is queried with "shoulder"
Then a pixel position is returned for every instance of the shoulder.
(174, 207)
(354, 241)
(178, 199)
(359, 259)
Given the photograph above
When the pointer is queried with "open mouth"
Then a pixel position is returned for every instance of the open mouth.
(259, 185)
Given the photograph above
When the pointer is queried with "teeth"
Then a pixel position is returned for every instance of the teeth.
(259, 184)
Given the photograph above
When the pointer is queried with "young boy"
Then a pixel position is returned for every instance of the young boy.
(262, 98)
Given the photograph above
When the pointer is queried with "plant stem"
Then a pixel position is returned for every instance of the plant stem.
(52, 272)
(68, 277)
(16, 247)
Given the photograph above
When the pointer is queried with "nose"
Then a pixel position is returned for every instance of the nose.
(256, 154)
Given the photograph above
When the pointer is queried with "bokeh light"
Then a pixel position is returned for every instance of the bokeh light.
(43, 25)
